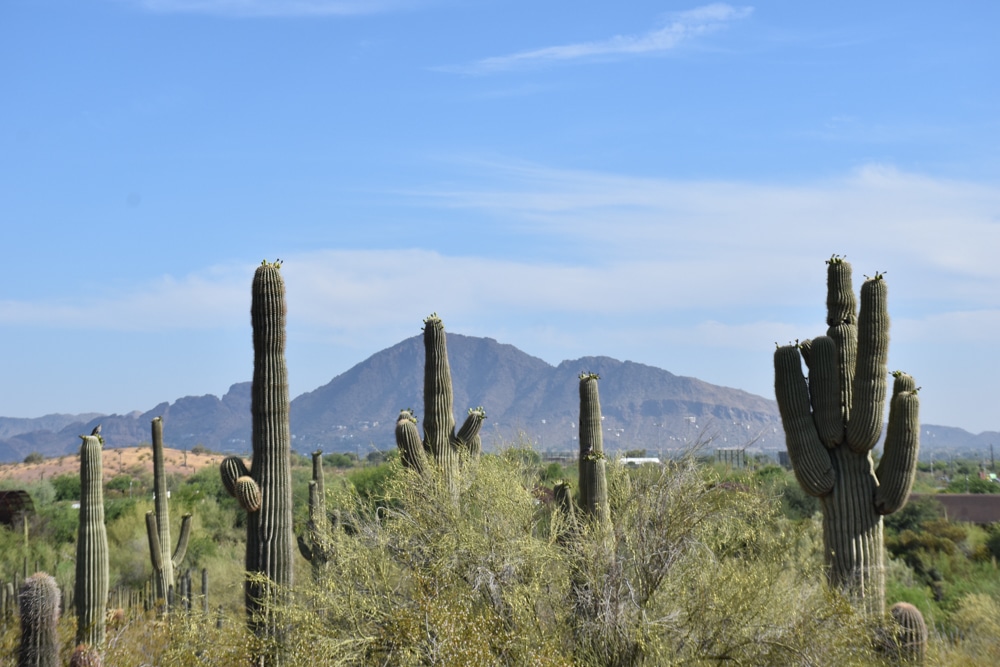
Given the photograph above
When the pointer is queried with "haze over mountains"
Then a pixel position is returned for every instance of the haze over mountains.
(524, 397)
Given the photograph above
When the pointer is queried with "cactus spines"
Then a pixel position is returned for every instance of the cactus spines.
(265, 489)
(593, 474)
(92, 575)
(165, 563)
(911, 633)
(85, 656)
(39, 602)
(832, 421)
(441, 442)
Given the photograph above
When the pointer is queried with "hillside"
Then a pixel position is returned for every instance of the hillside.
(524, 397)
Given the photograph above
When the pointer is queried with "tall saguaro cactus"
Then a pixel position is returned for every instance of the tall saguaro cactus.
(158, 523)
(91, 592)
(832, 421)
(39, 601)
(265, 489)
(592, 463)
(440, 442)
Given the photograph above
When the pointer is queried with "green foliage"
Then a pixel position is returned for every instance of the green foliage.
(67, 487)
(34, 457)
(340, 460)
(914, 515)
(371, 483)
(695, 572)
(971, 484)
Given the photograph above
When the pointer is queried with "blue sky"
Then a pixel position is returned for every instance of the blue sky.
(652, 181)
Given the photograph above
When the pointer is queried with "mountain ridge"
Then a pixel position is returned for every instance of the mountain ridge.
(525, 398)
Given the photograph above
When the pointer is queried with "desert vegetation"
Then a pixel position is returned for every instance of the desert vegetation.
(440, 553)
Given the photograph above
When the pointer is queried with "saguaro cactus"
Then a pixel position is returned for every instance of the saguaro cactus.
(91, 594)
(832, 422)
(592, 463)
(440, 442)
(158, 523)
(317, 548)
(39, 601)
(265, 490)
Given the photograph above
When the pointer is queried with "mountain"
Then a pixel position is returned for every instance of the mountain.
(525, 398)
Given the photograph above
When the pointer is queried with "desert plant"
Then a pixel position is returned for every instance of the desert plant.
(265, 489)
(592, 472)
(445, 447)
(39, 601)
(832, 422)
(316, 547)
(92, 576)
(158, 523)
(910, 637)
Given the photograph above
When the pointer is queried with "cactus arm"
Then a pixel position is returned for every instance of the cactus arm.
(304, 549)
(868, 391)
(182, 541)
(231, 469)
(809, 456)
(467, 438)
(411, 449)
(897, 468)
(156, 557)
(824, 390)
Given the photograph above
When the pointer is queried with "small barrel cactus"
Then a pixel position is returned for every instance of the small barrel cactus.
(39, 602)
(911, 633)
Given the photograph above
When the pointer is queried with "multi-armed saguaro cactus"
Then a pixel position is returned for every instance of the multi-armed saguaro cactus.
(832, 422)
(158, 523)
(592, 465)
(265, 490)
(39, 620)
(441, 442)
(91, 593)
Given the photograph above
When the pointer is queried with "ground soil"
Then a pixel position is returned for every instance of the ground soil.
(131, 460)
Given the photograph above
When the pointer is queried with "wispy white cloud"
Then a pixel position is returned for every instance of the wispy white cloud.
(679, 27)
(270, 8)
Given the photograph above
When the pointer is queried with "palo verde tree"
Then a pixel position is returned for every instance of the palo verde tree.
(834, 419)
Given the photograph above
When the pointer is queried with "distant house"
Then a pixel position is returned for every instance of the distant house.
(639, 461)
(982, 508)
(13, 506)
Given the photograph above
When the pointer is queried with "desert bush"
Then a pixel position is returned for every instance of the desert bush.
(695, 572)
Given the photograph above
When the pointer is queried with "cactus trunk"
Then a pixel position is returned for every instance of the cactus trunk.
(593, 473)
(269, 536)
(265, 489)
(91, 547)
